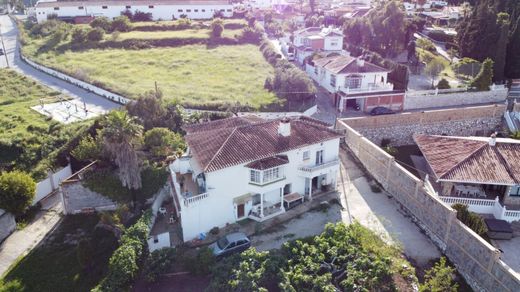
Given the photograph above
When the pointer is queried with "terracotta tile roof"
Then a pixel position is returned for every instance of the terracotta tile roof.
(268, 162)
(216, 147)
(222, 124)
(346, 65)
(130, 2)
(471, 159)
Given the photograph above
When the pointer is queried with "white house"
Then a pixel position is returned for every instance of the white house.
(315, 39)
(355, 82)
(160, 9)
(245, 167)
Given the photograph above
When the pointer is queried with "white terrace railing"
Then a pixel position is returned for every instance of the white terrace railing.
(484, 206)
(187, 200)
(192, 200)
(319, 166)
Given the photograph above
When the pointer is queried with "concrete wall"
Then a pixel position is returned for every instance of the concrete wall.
(77, 198)
(399, 128)
(475, 259)
(428, 99)
(51, 183)
(7, 224)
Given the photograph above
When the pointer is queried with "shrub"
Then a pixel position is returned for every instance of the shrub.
(470, 219)
(162, 142)
(95, 35)
(251, 35)
(79, 35)
(215, 230)
(88, 149)
(202, 263)
(121, 23)
(101, 22)
(484, 77)
(441, 36)
(439, 278)
(11, 286)
(217, 27)
(17, 191)
(443, 84)
(158, 262)
(426, 44)
(142, 16)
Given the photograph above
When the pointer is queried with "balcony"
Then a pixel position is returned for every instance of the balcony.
(318, 169)
(187, 190)
(372, 87)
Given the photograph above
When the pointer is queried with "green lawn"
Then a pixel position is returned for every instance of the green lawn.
(193, 74)
(54, 266)
(193, 22)
(181, 34)
(28, 138)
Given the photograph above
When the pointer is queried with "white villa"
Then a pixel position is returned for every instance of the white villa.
(160, 9)
(247, 167)
(316, 39)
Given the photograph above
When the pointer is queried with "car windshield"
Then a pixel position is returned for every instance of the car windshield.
(222, 243)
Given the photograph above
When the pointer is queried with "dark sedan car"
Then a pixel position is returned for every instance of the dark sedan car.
(381, 111)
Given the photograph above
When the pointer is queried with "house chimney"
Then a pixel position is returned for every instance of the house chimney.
(493, 139)
(360, 62)
(284, 128)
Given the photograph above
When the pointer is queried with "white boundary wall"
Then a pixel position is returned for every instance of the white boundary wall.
(51, 183)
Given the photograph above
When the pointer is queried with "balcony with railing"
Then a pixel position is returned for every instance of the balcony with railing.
(313, 170)
(372, 87)
(189, 191)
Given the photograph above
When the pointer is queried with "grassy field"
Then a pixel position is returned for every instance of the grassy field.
(174, 22)
(192, 74)
(54, 266)
(181, 34)
(28, 137)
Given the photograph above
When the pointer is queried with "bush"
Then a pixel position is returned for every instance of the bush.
(11, 286)
(441, 36)
(79, 35)
(470, 219)
(101, 22)
(88, 149)
(439, 278)
(443, 84)
(217, 27)
(484, 78)
(426, 44)
(95, 35)
(202, 263)
(17, 190)
(142, 16)
(159, 261)
(162, 142)
(251, 35)
(121, 23)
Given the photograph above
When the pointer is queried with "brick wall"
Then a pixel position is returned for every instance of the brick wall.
(474, 258)
(399, 128)
(428, 99)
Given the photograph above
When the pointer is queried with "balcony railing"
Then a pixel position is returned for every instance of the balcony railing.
(319, 166)
(370, 88)
(191, 200)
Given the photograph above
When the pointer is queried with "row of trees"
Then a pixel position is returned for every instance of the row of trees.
(492, 30)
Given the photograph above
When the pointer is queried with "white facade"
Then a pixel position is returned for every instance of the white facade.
(231, 195)
(314, 39)
(111, 9)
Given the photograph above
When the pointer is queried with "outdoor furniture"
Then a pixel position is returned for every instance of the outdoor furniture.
(469, 191)
(292, 200)
(162, 210)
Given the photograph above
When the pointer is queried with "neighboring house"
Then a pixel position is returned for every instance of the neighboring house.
(245, 167)
(353, 81)
(310, 40)
(475, 170)
(160, 9)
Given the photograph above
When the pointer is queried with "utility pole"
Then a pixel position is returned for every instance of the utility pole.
(3, 46)
(156, 90)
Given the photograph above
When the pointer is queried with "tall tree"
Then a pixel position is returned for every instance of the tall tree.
(501, 46)
(120, 136)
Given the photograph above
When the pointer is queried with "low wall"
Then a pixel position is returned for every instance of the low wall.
(7, 224)
(87, 86)
(400, 128)
(77, 199)
(51, 183)
(432, 98)
(475, 259)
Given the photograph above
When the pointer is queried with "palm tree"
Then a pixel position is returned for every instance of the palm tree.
(120, 135)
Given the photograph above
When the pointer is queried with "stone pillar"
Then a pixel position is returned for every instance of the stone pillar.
(388, 171)
(310, 189)
(261, 204)
(281, 200)
(452, 216)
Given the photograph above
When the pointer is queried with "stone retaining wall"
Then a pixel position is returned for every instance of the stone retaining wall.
(428, 99)
(475, 259)
(76, 199)
(400, 128)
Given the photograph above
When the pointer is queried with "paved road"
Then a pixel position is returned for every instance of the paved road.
(9, 33)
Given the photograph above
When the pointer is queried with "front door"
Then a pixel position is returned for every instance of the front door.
(240, 211)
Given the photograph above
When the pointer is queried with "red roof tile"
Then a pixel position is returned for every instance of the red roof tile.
(346, 65)
(216, 148)
(471, 160)
(268, 162)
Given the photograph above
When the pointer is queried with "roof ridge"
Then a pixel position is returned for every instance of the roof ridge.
(481, 148)
(506, 163)
(220, 149)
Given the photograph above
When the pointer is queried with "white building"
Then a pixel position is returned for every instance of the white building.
(315, 39)
(160, 9)
(245, 167)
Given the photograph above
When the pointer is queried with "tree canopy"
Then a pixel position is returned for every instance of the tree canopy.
(17, 190)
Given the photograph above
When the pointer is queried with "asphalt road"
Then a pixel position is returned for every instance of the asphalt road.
(9, 34)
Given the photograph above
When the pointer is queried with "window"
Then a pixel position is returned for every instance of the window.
(203, 10)
(229, 10)
(306, 155)
(515, 191)
(104, 7)
(353, 82)
(316, 70)
(333, 80)
(150, 6)
(128, 7)
(188, 10)
(195, 10)
(56, 8)
(222, 10)
(80, 8)
(271, 174)
(319, 157)
(255, 176)
(180, 10)
(333, 44)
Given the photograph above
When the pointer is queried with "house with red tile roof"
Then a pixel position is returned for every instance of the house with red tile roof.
(247, 167)
(355, 83)
(310, 40)
(474, 167)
